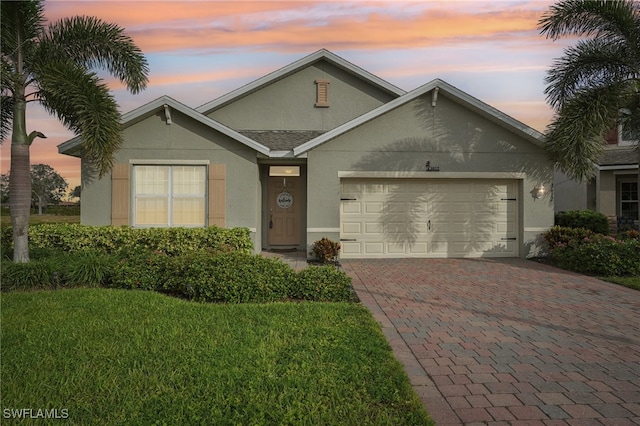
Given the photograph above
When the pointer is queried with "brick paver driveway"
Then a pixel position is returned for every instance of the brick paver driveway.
(508, 341)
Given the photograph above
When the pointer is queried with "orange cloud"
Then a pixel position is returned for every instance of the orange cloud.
(172, 26)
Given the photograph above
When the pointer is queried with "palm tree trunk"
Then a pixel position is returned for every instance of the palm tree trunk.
(20, 182)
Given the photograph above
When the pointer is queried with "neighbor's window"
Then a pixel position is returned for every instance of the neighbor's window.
(169, 195)
(627, 136)
(629, 199)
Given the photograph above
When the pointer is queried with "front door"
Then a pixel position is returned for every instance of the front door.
(284, 209)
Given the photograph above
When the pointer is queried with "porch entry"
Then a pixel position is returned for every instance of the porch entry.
(284, 206)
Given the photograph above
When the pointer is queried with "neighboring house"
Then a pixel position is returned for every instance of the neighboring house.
(323, 148)
(614, 189)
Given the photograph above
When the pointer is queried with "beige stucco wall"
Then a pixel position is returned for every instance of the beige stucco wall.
(288, 104)
(607, 193)
(450, 137)
(185, 139)
(568, 194)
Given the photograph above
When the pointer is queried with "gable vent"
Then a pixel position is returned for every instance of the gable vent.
(322, 93)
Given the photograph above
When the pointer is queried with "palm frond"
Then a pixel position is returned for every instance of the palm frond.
(575, 138)
(21, 21)
(6, 111)
(590, 64)
(606, 19)
(96, 44)
(85, 106)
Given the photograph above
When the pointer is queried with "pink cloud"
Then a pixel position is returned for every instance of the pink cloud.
(172, 26)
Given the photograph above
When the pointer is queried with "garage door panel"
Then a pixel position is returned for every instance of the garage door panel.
(350, 249)
(396, 248)
(351, 228)
(373, 229)
(429, 218)
(375, 248)
(374, 189)
(397, 207)
(351, 207)
(374, 207)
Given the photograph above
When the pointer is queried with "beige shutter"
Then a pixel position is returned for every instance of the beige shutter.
(322, 93)
(120, 194)
(217, 195)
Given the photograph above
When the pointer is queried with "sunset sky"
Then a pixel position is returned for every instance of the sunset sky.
(200, 50)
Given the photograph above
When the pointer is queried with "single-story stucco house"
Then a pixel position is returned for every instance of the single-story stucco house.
(323, 148)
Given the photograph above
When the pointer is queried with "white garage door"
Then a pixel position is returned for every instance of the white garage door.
(428, 218)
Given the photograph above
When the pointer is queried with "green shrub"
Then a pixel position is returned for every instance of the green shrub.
(144, 270)
(89, 268)
(232, 277)
(48, 269)
(601, 256)
(558, 236)
(587, 219)
(172, 241)
(325, 250)
(322, 283)
(631, 234)
(37, 274)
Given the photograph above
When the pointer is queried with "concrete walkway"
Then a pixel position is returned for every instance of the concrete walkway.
(508, 342)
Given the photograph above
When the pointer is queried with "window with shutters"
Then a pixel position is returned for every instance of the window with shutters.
(169, 195)
(322, 93)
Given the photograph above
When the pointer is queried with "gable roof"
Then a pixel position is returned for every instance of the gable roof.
(453, 93)
(72, 146)
(281, 73)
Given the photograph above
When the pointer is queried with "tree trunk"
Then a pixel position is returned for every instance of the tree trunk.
(20, 182)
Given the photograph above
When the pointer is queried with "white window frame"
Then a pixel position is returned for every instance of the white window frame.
(170, 196)
(621, 201)
(624, 142)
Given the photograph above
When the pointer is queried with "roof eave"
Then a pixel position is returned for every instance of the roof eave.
(72, 146)
(458, 95)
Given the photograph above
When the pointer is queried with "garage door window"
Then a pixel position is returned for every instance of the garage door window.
(169, 195)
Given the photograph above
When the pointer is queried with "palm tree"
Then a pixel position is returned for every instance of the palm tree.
(51, 64)
(596, 84)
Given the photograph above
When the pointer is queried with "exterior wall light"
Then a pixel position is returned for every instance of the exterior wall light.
(539, 191)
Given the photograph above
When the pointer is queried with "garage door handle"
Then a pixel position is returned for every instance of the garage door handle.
(429, 225)
(348, 199)
(348, 239)
(509, 239)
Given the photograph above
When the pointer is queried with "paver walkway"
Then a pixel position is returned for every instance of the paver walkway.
(508, 341)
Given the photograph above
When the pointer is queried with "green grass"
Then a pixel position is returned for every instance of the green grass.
(5, 219)
(133, 357)
(631, 282)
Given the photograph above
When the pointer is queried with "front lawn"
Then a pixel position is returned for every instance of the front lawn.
(133, 357)
(631, 282)
(5, 219)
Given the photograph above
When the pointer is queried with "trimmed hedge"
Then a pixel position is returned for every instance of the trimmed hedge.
(223, 277)
(109, 239)
(587, 219)
(322, 284)
(232, 277)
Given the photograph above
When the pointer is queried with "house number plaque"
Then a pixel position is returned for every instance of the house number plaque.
(284, 200)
